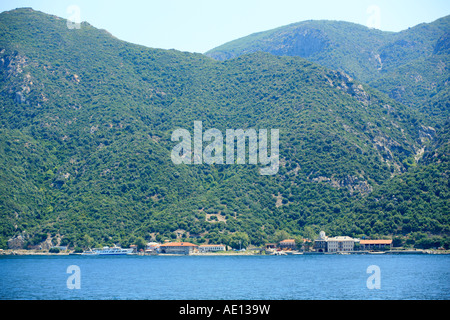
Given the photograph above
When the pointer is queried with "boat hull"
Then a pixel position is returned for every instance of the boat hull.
(108, 252)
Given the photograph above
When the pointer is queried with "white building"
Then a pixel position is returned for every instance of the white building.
(152, 248)
(334, 244)
(340, 244)
(211, 248)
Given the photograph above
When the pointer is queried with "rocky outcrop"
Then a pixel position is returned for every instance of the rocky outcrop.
(345, 83)
(12, 67)
(18, 242)
(300, 41)
(47, 244)
(19, 98)
(351, 183)
(426, 133)
(443, 44)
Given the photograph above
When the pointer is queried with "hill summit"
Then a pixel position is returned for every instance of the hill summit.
(410, 66)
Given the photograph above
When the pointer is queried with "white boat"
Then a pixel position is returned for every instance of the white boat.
(88, 253)
(279, 253)
(109, 251)
(114, 251)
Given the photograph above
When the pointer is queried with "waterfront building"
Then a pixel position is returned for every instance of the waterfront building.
(340, 244)
(211, 248)
(320, 244)
(334, 244)
(287, 244)
(375, 244)
(152, 248)
(178, 248)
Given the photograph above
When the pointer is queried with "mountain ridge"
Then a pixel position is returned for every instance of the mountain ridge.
(85, 143)
(331, 29)
(406, 65)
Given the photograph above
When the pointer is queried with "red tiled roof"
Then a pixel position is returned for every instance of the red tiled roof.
(375, 242)
(287, 240)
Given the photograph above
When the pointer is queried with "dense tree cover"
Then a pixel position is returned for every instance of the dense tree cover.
(410, 66)
(85, 144)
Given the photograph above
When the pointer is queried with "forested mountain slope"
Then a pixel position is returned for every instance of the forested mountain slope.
(411, 66)
(85, 143)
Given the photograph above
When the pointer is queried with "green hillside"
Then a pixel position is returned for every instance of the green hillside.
(411, 66)
(335, 44)
(85, 144)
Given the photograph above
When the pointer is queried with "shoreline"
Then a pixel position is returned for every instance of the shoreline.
(23, 252)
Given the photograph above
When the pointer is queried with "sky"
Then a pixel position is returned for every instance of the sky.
(201, 25)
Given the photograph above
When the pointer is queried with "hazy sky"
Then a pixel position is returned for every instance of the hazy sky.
(200, 25)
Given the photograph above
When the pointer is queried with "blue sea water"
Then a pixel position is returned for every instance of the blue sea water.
(301, 277)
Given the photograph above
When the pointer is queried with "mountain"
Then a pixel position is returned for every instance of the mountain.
(338, 45)
(411, 66)
(86, 140)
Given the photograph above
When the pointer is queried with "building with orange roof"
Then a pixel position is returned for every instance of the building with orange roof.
(178, 248)
(375, 244)
(287, 244)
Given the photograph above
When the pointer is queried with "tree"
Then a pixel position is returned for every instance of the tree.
(397, 242)
(88, 240)
(280, 235)
(309, 233)
(239, 240)
(140, 243)
(78, 250)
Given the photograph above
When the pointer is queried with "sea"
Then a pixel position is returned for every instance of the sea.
(244, 277)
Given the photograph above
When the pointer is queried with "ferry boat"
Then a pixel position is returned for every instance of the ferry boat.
(108, 251)
(90, 252)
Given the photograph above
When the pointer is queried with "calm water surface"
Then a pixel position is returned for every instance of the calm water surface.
(226, 277)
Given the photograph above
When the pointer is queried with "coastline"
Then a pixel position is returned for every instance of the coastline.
(23, 252)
